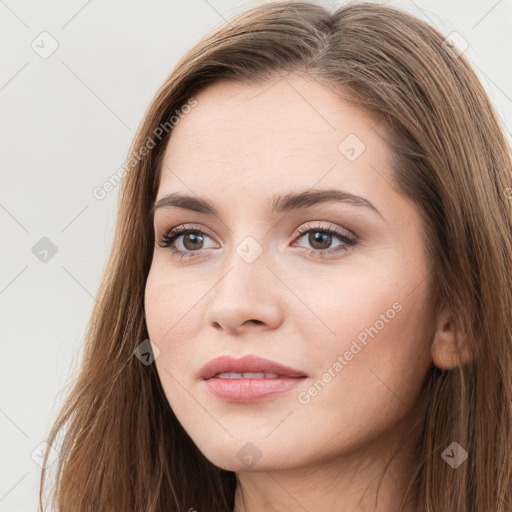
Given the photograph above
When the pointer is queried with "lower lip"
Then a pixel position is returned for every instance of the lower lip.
(250, 390)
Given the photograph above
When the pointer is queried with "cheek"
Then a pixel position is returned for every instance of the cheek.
(369, 374)
(173, 312)
(369, 327)
(170, 304)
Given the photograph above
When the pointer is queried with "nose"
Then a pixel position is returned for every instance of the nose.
(246, 296)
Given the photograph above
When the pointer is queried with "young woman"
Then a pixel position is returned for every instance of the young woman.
(307, 304)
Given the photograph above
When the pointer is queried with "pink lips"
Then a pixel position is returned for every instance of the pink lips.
(248, 389)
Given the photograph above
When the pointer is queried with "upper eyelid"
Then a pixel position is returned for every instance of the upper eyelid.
(325, 225)
(180, 229)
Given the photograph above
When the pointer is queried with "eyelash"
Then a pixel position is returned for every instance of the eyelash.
(168, 238)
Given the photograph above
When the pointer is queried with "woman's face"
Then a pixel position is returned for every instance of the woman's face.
(345, 309)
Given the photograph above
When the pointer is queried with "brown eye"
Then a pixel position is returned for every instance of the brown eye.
(192, 242)
(321, 238)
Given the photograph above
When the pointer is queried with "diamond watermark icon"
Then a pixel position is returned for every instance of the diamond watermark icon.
(44, 250)
(44, 45)
(248, 249)
(351, 147)
(146, 352)
(455, 44)
(249, 454)
(454, 455)
(39, 451)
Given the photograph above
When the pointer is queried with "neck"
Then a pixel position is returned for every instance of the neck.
(373, 478)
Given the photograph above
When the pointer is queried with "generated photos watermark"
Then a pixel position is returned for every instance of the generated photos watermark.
(304, 397)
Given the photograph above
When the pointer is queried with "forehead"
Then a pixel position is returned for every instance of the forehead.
(289, 133)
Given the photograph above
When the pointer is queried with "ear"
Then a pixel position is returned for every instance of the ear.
(446, 353)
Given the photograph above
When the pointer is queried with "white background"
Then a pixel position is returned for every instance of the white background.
(67, 123)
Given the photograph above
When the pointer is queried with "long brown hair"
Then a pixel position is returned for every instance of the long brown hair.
(122, 446)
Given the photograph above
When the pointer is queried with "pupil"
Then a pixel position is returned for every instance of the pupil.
(325, 238)
(195, 238)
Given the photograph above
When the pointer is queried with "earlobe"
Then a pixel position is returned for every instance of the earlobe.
(449, 348)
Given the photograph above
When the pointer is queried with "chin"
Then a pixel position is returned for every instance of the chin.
(245, 456)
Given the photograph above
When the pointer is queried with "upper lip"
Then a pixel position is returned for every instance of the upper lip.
(247, 363)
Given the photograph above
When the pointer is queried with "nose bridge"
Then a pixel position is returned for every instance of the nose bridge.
(246, 290)
(246, 268)
(248, 247)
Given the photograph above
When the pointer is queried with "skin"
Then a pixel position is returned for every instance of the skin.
(237, 148)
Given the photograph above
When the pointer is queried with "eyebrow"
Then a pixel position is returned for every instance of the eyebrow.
(278, 204)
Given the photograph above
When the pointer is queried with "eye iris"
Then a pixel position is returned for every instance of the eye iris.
(318, 236)
(194, 238)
